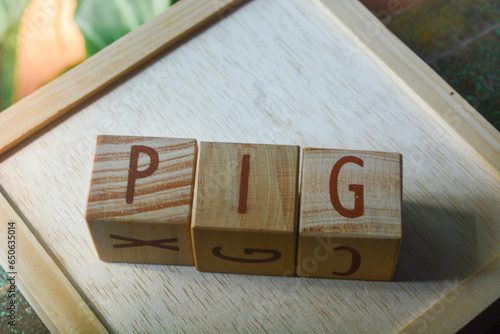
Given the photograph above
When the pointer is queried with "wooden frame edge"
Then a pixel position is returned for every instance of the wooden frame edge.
(462, 121)
(471, 294)
(58, 304)
(59, 96)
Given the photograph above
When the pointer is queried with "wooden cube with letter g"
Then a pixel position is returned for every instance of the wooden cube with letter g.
(350, 214)
(140, 199)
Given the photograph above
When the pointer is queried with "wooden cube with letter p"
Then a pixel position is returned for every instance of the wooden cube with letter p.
(350, 214)
(245, 208)
(140, 199)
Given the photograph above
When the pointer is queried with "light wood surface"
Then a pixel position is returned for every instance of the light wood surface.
(72, 88)
(287, 73)
(58, 304)
(245, 208)
(140, 199)
(350, 214)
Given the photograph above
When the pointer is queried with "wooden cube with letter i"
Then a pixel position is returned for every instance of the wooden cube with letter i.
(245, 208)
(350, 214)
(139, 205)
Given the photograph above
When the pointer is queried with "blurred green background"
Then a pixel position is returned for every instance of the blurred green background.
(460, 40)
(40, 39)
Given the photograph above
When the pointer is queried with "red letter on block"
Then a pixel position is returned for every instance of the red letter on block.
(359, 205)
(245, 173)
(355, 262)
(134, 174)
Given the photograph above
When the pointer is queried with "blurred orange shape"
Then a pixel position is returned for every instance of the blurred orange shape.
(49, 43)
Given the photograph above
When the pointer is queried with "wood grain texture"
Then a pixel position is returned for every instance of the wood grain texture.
(58, 304)
(69, 90)
(282, 73)
(139, 203)
(368, 189)
(245, 208)
(350, 214)
(438, 98)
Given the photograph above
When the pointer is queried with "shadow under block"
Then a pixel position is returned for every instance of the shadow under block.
(350, 214)
(245, 208)
(139, 205)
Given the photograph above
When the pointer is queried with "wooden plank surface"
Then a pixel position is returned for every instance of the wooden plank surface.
(58, 97)
(283, 73)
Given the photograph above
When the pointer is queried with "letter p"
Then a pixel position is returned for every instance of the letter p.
(134, 174)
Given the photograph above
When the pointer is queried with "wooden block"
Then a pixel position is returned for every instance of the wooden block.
(350, 214)
(245, 208)
(139, 205)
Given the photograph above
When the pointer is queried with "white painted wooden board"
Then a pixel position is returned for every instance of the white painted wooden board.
(280, 73)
